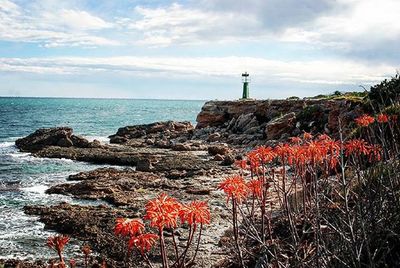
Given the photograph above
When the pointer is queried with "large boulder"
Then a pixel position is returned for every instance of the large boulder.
(281, 125)
(216, 113)
(44, 137)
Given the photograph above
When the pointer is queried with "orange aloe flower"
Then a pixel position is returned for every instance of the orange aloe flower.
(143, 242)
(235, 188)
(364, 120)
(295, 140)
(265, 154)
(255, 187)
(242, 164)
(254, 161)
(356, 147)
(284, 152)
(382, 118)
(196, 212)
(163, 211)
(58, 242)
(307, 136)
(128, 227)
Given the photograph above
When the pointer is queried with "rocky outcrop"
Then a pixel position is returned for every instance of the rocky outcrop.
(59, 136)
(159, 134)
(254, 122)
(125, 187)
(87, 223)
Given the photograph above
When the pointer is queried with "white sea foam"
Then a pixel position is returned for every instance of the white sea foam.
(36, 189)
(7, 144)
(99, 138)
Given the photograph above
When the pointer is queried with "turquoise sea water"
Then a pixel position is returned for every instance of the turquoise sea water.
(24, 179)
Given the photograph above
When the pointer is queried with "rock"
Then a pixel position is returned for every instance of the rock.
(118, 139)
(144, 165)
(42, 138)
(229, 159)
(95, 144)
(166, 130)
(218, 157)
(79, 141)
(65, 142)
(245, 121)
(284, 124)
(221, 149)
(181, 147)
(214, 137)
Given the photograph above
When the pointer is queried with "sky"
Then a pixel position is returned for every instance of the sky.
(195, 49)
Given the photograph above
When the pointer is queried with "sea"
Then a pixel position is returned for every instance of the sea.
(24, 178)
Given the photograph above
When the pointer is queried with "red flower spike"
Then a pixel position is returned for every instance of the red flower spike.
(255, 187)
(284, 152)
(196, 212)
(242, 164)
(234, 187)
(295, 140)
(364, 120)
(254, 161)
(163, 211)
(356, 147)
(265, 154)
(307, 136)
(143, 242)
(382, 118)
(58, 242)
(127, 227)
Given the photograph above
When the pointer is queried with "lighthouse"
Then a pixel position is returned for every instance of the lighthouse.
(246, 81)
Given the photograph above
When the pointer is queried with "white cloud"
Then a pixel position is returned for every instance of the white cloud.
(326, 72)
(362, 25)
(65, 27)
(348, 27)
(177, 24)
(75, 20)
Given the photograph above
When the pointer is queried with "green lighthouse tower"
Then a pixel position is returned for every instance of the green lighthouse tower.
(245, 80)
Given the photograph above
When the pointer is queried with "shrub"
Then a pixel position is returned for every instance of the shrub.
(385, 93)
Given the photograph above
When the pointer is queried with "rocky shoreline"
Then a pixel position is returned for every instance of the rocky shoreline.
(184, 161)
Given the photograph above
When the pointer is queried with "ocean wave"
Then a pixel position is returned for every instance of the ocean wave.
(99, 138)
(7, 144)
(40, 189)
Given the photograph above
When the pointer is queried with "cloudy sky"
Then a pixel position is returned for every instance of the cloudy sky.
(195, 49)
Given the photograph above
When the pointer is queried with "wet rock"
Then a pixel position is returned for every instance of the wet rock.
(144, 165)
(65, 142)
(45, 137)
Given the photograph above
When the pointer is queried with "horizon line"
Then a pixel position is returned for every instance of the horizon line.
(99, 98)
